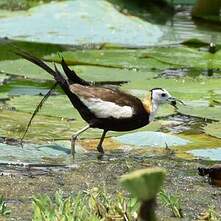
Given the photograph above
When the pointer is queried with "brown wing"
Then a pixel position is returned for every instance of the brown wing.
(106, 94)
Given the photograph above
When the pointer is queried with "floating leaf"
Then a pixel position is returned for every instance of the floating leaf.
(7, 48)
(70, 16)
(31, 153)
(213, 129)
(114, 58)
(43, 128)
(209, 154)
(57, 106)
(156, 57)
(177, 55)
(213, 113)
(152, 139)
(94, 73)
(24, 68)
(194, 42)
(183, 88)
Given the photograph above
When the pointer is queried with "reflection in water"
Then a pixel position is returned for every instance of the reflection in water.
(183, 27)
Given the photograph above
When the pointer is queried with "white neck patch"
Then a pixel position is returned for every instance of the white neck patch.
(153, 112)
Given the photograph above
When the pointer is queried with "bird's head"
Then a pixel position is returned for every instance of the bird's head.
(162, 96)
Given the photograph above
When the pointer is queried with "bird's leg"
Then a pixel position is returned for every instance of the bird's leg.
(74, 137)
(99, 146)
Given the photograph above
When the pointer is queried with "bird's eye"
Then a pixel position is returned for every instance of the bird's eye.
(163, 95)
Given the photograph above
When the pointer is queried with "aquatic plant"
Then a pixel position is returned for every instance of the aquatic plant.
(172, 202)
(91, 205)
(210, 215)
(4, 210)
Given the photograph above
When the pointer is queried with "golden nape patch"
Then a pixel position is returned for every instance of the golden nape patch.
(147, 104)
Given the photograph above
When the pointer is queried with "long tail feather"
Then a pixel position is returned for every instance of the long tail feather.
(37, 109)
(57, 75)
(71, 75)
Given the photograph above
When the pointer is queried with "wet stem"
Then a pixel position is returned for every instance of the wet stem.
(147, 210)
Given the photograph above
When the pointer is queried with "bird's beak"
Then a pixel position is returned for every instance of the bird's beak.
(173, 101)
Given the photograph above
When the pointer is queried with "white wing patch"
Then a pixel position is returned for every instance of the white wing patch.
(105, 109)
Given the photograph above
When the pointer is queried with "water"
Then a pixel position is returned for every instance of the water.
(182, 27)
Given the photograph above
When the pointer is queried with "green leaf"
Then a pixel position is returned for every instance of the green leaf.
(184, 57)
(14, 123)
(8, 48)
(212, 113)
(151, 139)
(31, 153)
(24, 68)
(183, 88)
(114, 58)
(94, 73)
(213, 129)
(81, 17)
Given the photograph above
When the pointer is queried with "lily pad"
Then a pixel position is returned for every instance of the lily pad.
(26, 69)
(31, 153)
(209, 154)
(14, 123)
(23, 68)
(212, 113)
(57, 106)
(8, 47)
(94, 73)
(177, 55)
(156, 57)
(70, 16)
(213, 129)
(118, 58)
(185, 89)
(152, 139)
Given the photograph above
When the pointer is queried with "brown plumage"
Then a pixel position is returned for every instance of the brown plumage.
(103, 107)
(213, 173)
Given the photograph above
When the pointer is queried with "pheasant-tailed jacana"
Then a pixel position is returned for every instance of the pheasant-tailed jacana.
(104, 107)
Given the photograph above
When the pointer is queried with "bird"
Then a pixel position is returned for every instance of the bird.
(213, 172)
(104, 107)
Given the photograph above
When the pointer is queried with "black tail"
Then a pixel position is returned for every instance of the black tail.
(57, 75)
(71, 75)
(76, 102)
